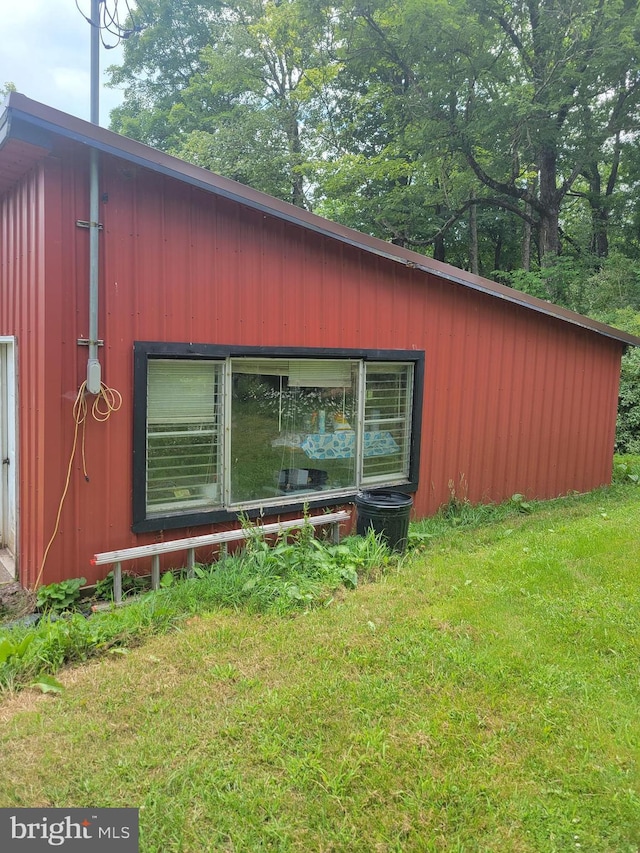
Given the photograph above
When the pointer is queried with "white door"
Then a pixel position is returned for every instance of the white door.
(8, 470)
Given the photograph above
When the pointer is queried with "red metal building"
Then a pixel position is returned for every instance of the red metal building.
(263, 357)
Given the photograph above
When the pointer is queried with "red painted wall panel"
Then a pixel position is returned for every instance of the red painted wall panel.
(514, 400)
(21, 316)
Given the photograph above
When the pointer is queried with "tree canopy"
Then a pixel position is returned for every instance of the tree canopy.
(497, 134)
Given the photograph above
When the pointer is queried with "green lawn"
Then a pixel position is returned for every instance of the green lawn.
(482, 696)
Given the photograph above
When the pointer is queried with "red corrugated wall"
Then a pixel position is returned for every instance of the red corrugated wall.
(22, 311)
(514, 401)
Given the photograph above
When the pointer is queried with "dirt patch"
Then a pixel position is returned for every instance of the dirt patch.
(15, 602)
(25, 702)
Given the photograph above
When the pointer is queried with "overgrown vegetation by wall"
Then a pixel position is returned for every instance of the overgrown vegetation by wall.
(291, 574)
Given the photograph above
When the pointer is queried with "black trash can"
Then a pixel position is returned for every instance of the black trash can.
(388, 514)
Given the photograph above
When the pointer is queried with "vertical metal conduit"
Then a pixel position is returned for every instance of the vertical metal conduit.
(93, 363)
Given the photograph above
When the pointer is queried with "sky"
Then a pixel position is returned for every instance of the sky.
(45, 50)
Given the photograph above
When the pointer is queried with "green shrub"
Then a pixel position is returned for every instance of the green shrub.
(628, 422)
(626, 469)
(59, 597)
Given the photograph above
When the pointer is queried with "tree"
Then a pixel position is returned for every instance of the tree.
(158, 65)
(4, 90)
(376, 173)
(424, 123)
(532, 96)
(232, 86)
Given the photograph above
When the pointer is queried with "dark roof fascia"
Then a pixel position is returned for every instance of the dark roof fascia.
(53, 121)
(14, 125)
(5, 124)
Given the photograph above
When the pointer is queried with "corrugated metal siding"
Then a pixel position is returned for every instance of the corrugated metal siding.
(514, 401)
(21, 315)
(18, 158)
(529, 404)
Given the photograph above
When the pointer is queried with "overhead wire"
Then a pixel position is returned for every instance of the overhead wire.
(123, 21)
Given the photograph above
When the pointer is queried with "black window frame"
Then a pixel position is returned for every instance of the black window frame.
(146, 350)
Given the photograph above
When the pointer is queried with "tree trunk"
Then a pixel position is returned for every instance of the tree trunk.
(526, 245)
(549, 217)
(497, 251)
(438, 243)
(549, 236)
(527, 234)
(599, 215)
(295, 147)
(474, 264)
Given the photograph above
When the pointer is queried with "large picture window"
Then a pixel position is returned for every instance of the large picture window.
(220, 431)
(292, 427)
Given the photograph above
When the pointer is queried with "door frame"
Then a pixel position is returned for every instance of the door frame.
(8, 453)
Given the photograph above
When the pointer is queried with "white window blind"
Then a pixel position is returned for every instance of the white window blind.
(181, 391)
(184, 403)
(301, 373)
(261, 367)
(387, 421)
(327, 373)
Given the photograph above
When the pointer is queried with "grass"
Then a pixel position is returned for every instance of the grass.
(276, 576)
(482, 696)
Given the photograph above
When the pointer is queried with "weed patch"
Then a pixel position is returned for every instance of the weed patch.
(292, 574)
(59, 597)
